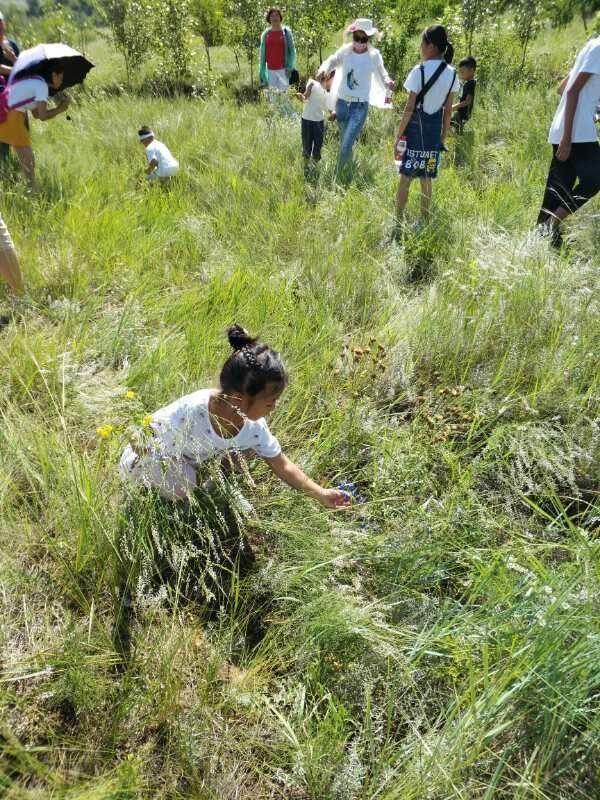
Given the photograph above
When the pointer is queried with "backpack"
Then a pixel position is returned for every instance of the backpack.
(5, 97)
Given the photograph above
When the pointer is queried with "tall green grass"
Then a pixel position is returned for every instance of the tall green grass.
(442, 640)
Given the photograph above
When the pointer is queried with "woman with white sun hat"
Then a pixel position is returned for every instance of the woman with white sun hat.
(360, 80)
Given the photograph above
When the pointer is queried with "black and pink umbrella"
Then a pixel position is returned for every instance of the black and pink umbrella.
(43, 59)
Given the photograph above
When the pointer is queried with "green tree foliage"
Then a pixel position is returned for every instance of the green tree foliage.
(314, 24)
(233, 31)
(50, 22)
(474, 14)
(530, 15)
(34, 8)
(398, 32)
(208, 23)
(172, 32)
(129, 22)
(141, 28)
(563, 11)
(245, 31)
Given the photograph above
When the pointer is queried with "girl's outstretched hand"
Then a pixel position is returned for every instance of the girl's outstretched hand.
(335, 498)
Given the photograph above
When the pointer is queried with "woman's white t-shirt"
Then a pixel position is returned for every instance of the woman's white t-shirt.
(167, 163)
(32, 90)
(436, 96)
(356, 80)
(317, 104)
(366, 69)
(584, 127)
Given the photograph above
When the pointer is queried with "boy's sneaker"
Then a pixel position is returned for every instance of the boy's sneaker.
(556, 237)
(553, 233)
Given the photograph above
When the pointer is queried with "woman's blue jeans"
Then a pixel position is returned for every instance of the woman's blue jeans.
(351, 118)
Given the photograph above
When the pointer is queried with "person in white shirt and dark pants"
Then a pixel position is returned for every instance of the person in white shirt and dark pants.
(574, 174)
(317, 104)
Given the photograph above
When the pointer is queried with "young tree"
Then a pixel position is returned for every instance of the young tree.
(34, 8)
(233, 32)
(251, 15)
(132, 31)
(473, 13)
(314, 22)
(172, 31)
(397, 39)
(561, 12)
(56, 23)
(529, 18)
(207, 21)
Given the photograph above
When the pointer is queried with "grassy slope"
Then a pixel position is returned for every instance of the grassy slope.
(442, 641)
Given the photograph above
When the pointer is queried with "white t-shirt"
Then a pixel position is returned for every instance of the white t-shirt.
(584, 128)
(184, 430)
(32, 90)
(436, 96)
(167, 164)
(317, 104)
(356, 80)
(375, 87)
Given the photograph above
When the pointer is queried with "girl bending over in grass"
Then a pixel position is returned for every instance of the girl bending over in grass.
(426, 120)
(215, 422)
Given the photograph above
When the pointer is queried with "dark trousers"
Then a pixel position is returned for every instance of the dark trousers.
(573, 182)
(312, 138)
(457, 123)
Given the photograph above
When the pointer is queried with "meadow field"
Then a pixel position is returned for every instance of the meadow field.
(441, 640)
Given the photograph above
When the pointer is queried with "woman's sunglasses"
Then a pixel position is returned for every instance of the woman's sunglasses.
(360, 38)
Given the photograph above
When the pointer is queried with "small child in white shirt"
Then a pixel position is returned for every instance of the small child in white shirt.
(211, 423)
(161, 162)
(317, 103)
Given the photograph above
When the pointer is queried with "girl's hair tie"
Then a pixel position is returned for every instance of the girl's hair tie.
(249, 357)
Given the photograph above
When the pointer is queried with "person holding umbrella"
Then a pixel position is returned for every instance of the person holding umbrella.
(9, 52)
(38, 73)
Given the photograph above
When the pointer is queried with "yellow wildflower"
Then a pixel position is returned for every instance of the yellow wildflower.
(130, 394)
(104, 431)
(147, 421)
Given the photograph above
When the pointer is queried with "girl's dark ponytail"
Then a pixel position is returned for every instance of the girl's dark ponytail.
(239, 337)
(438, 37)
(252, 367)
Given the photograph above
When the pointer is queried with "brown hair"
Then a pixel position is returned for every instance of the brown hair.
(271, 10)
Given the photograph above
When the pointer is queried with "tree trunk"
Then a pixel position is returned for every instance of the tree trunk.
(127, 69)
(237, 60)
(525, 46)
(207, 48)
(584, 19)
